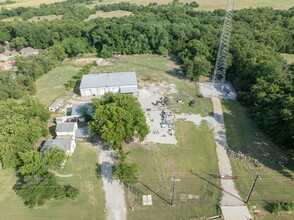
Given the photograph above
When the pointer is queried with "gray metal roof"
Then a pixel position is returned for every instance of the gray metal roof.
(64, 144)
(82, 132)
(56, 104)
(65, 127)
(77, 108)
(108, 79)
(28, 50)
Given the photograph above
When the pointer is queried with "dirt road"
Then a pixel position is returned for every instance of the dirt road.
(232, 205)
(114, 193)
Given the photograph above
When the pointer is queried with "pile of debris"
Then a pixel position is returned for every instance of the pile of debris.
(162, 102)
(240, 155)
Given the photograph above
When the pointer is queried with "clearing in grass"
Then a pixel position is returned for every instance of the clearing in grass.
(288, 57)
(273, 164)
(110, 14)
(159, 163)
(90, 203)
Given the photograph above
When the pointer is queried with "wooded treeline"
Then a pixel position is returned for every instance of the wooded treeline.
(263, 80)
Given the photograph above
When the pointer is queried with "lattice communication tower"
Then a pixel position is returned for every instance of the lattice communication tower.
(219, 73)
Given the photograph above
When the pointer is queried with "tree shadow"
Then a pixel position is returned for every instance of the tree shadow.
(261, 148)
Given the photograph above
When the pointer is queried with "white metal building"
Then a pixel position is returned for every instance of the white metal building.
(99, 84)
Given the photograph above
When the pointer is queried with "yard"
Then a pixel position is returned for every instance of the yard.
(51, 85)
(88, 205)
(159, 163)
(158, 69)
(274, 165)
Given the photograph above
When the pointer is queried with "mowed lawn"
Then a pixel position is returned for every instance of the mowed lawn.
(276, 183)
(159, 163)
(51, 85)
(89, 204)
(159, 69)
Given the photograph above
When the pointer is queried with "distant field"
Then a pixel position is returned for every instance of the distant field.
(216, 4)
(276, 183)
(110, 14)
(88, 205)
(204, 4)
(159, 163)
(51, 85)
(288, 57)
(42, 18)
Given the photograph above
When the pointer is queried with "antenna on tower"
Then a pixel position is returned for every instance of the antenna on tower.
(219, 73)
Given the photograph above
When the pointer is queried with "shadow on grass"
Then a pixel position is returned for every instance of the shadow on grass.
(159, 196)
(257, 147)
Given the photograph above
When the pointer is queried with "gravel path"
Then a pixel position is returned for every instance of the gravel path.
(232, 205)
(114, 193)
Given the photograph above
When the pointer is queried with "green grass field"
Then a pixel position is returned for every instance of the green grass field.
(51, 85)
(288, 57)
(204, 4)
(154, 69)
(88, 205)
(276, 183)
(159, 163)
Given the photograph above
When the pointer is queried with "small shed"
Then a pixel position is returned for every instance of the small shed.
(66, 128)
(29, 51)
(67, 144)
(56, 105)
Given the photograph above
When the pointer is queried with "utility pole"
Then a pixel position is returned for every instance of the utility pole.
(251, 189)
(174, 179)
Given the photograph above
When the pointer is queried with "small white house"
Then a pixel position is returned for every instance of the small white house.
(99, 84)
(56, 105)
(67, 144)
(66, 128)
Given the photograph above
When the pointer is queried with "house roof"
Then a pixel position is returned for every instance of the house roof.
(28, 50)
(65, 127)
(4, 57)
(77, 108)
(82, 132)
(56, 103)
(64, 144)
(108, 79)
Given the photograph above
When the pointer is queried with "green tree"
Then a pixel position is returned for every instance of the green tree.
(18, 43)
(36, 189)
(35, 163)
(118, 117)
(124, 171)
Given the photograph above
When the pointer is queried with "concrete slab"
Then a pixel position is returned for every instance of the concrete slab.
(219, 90)
(236, 213)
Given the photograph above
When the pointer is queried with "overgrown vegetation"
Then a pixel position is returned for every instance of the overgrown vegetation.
(22, 124)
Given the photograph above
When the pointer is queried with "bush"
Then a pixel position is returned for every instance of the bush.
(194, 4)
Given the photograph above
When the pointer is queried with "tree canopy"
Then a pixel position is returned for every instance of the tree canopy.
(118, 117)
